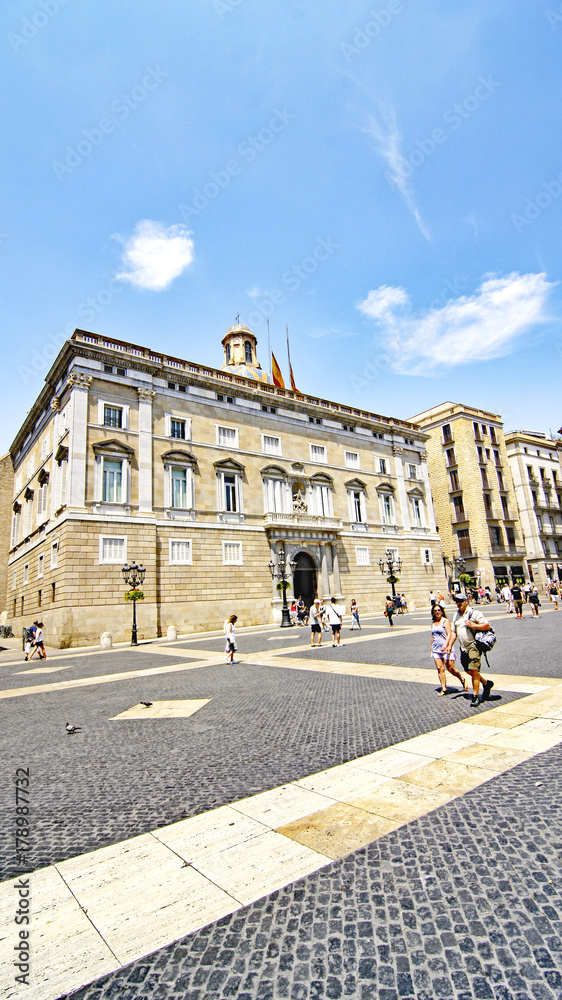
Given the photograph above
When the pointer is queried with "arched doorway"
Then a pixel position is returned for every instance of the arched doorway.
(304, 580)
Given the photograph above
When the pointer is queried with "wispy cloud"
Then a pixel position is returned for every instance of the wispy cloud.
(155, 254)
(470, 328)
(334, 332)
(387, 141)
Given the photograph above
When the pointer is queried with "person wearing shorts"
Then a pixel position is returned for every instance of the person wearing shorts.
(334, 619)
(466, 622)
(440, 632)
(554, 594)
(316, 613)
(517, 595)
(534, 601)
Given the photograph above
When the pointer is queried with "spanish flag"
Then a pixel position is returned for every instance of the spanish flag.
(276, 373)
(293, 386)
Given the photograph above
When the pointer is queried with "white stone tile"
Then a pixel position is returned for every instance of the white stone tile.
(145, 897)
(66, 951)
(262, 865)
(342, 782)
(179, 709)
(434, 746)
(282, 805)
(390, 762)
(524, 739)
(209, 833)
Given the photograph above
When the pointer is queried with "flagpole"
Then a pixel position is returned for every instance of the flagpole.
(269, 347)
(288, 351)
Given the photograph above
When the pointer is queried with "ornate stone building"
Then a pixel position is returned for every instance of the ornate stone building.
(6, 495)
(204, 475)
(537, 476)
(475, 503)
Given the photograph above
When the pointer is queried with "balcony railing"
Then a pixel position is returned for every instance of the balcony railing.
(274, 520)
(458, 516)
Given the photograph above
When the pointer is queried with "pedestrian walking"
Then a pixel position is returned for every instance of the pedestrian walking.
(230, 634)
(29, 638)
(334, 619)
(506, 594)
(554, 594)
(444, 659)
(432, 598)
(301, 611)
(527, 592)
(466, 622)
(404, 604)
(316, 613)
(534, 601)
(517, 595)
(37, 642)
(354, 615)
(389, 609)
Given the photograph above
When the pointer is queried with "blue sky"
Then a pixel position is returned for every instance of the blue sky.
(384, 178)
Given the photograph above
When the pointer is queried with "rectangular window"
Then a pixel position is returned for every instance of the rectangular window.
(451, 460)
(113, 549)
(230, 494)
(416, 513)
(500, 480)
(26, 573)
(505, 506)
(45, 446)
(318, 453)
(427, 557)
(352, 460)
(39, 596)
(232, 553)
(493, 437)
(273, 496)
(412, 472)
(16, 519)
(180, 552)
(356, 498)
(42, 500)
(488, 501)
(270, 445)
(485, 482)
(53, 592)
(112, 481)
(382, 466)
(387, 509)
(177, 429)
(362, 557)
(54, 555)
(510, 536)
(464, 542)
(227, 437)
(179, 488)
(459, 507)
(40, 563)
(113, 416)
(455, 483)
(447, 433)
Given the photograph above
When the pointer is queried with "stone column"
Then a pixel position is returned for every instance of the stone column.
(324, 578)
(429, 511)
(145, 452)
(336, 571)
(402, 497)
(77, 457)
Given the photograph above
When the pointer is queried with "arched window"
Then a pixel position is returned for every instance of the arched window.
(248, 352)
(227, 351)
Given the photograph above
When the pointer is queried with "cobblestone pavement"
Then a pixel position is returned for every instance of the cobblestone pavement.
(262, 727)
(14, 675)
(464, 903)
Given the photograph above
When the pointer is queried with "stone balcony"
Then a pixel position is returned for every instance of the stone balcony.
(308, 522)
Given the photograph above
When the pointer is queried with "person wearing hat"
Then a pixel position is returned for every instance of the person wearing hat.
(466, 622)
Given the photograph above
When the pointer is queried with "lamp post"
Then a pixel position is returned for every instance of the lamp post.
(133, 575)
(456, 566)
(388, 565)
(280, 573)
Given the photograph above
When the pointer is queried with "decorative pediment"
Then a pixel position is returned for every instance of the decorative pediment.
(416, 491)
(43, 477)
(229, 465)
(112, 447)
(297, 467)
(179, 456)
(16, 507)
(273, 470)
(29, 494)
(386, 488)
(322, 477)
(355, 484)
(61, 454)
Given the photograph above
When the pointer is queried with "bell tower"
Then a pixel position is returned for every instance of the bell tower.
(239, 345)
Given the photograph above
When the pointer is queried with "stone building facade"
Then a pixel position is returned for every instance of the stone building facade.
(6, 497)
(534, 460)
(475, 502)
(204, 475)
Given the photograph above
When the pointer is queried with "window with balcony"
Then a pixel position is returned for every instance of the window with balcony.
(387, 509)
(481, 456)
(357, 512)
(497, 458)
(177, 428)
(383, 470)
(496, 535)
(488, 502)
(230, 495)
(493, 436)
(510, 535)
(322, 500)
(459, 513)
(500, 481)
(477, 433)
(412, 472)
(275, 495)
(180, 488)
(463, 536)
(451, 459)
(416, 512)
(505, 506)
(485, 483)
(455, 482)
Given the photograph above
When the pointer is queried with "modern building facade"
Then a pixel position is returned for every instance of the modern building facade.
(204, 475)
(534, 460)
(475, 503)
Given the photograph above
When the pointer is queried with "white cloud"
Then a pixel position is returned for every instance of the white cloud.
(387, 140)
(155, 254)
(469, 328)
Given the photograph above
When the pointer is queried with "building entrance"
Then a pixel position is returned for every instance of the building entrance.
(305, 578)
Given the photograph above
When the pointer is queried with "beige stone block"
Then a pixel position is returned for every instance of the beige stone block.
(337, 830)
(402, 800)
(453, 777)
(490, 758)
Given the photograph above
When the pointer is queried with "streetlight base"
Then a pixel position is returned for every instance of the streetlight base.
(286, 618)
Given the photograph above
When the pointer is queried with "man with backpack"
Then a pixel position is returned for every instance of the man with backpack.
(466, 623)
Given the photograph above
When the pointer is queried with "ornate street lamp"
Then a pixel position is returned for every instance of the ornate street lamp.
(389, 565)
(133, 576)
(279, 573)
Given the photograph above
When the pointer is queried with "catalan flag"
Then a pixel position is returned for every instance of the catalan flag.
(276, 373)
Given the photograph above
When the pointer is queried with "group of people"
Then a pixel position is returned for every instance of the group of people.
(466, 623)
(518, 594)
(301, 615)
(33, 641)
(327, 614)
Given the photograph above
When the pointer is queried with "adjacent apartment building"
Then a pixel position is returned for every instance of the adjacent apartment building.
(474, 497)
(205, 475)
(535, 466)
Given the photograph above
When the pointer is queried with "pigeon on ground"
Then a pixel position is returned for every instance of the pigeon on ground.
(146, 704)
(72, 729)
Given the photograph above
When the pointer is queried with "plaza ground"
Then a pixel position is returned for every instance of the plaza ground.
(303, 823)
